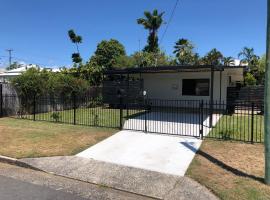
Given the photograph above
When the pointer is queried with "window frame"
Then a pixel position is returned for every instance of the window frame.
(196, 80)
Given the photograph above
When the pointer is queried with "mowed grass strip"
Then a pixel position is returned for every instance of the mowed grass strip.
(238, 127)
(232, 170)
(25, 138)
(98, 116)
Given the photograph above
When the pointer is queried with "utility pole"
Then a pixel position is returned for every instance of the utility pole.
(267, 101)
(10, 57)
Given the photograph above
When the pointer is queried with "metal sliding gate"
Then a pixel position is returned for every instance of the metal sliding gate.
(241, 121)
(175, 117)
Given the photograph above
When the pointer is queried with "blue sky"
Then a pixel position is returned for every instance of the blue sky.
(37, 29)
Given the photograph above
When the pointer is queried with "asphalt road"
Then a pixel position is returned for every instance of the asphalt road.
(12, 189)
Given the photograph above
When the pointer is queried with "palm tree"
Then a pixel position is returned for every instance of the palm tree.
(152, 22)
(213, 57)
(184, 52)
(248, 56)
(228, 61)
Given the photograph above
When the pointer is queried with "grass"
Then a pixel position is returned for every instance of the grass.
(238, 127)
(98, 116)
(232, 170)
(24, 138)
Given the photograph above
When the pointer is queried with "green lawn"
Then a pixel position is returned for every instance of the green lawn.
(24, 138)
(98, 116)
(238, 127)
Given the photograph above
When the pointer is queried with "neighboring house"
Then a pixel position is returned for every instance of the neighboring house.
(185, 82)
(5, 76)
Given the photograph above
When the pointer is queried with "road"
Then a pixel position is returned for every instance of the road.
(18, 183)
(12, 189)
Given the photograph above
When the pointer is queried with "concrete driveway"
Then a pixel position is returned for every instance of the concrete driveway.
(176, 123)
(161, 153)
(171, 154)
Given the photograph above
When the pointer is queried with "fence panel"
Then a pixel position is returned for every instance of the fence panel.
(242, 121)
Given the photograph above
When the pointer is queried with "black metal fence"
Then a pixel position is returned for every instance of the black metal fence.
(241, 121)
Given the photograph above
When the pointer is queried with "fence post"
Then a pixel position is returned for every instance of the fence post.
(121, 111)
(145, 116)
(252, 123)
(145, 119)
(74, 108)
(1, 100)
(201, 119)
(34, 108)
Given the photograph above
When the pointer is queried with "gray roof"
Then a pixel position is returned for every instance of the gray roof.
(168, 69)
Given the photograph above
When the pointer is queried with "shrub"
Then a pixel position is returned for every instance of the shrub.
(36, 82)
(56, 116)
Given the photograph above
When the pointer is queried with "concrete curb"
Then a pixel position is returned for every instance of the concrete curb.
(14, 161)
(112, 181)
(17, 162)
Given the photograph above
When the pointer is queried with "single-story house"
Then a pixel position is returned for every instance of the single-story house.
(6, 75)
(208, 83)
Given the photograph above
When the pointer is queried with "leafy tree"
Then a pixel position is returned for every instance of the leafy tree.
(76, 39)
(249, 57)
(14, 65)
(213, 57)
(64, 85)
(92, 73)
(125, 62)
(149, 59)
(152, 22)
(250, 79)
(228, 61)
(261, 70)
(35, 82)
(184, 52)
(107, 53)
(31, 83)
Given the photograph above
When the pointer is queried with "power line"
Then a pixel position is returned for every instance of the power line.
(170, 19)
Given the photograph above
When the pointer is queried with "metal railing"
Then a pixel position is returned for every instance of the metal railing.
(241, 121)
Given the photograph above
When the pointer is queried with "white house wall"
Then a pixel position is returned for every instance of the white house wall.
(169, 86)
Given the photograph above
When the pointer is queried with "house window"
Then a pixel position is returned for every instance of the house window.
(195, 87)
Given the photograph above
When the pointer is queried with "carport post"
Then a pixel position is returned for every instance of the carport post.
(145, 120)
(220, 87)
(211, 98)
(201, 119)
(121, 110)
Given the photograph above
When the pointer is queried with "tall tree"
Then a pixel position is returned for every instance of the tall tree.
(213, 57)
(228, 61)
(152, 22)
(76, 39)
(107, 53)
(149, 59)
(184, 52)
(261, 70)
(249, 57)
